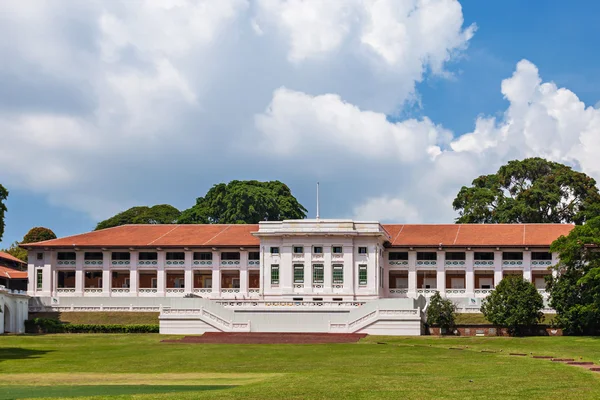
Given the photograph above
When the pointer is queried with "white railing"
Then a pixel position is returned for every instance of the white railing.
(455, 263)
(148, 262)
(288, 304)
(400, 262)
(317, 286)
(202, 290)
(65, 290)
(512, 263)
(432, 263)
(483, 263)
(482, 292)
(236, 290)
(120, 262)
(94, 308)
(456, 292)
(338, 285)
(202, 262)
(119, 290)
(175, 290)
(536, 263)
(63, 263)
(426, 292)
(399, 291)
(254, 291)
(230, 262)
(254, 262)
(147, 290)
(92, 290)
(97, 263)
(175, 262)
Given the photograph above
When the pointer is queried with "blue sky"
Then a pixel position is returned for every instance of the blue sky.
(107, 106)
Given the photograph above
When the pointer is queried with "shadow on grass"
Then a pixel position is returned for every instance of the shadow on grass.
(19, 353)
(20, 392)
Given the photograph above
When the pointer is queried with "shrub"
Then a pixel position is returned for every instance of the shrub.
(514, 304)
(441, 312)
(49, 325)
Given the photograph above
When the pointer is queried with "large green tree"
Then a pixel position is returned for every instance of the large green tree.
(159, 214)
(38, 234)
(575, 291)
(441, 312)
(533, 190)
(16, 251)
(3, 197)
(244, 202)
(515, 304)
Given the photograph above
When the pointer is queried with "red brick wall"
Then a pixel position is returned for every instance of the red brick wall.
(491, 330)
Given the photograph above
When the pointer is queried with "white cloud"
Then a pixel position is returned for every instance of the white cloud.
(386, 209)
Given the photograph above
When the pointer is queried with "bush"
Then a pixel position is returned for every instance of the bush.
(441, 312)
(514, 304)
(48, 325)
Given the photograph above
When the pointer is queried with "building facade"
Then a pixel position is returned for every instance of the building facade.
(299, 260)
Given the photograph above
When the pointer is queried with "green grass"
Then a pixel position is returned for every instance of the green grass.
(407, 368)
(101, 317)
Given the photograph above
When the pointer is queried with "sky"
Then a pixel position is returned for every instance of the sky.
(392, 105)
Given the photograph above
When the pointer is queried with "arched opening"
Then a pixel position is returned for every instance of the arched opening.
(7, 319)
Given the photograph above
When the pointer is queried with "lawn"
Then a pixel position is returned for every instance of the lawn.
(139, 366)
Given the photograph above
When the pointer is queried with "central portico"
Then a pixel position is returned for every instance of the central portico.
(329, 259)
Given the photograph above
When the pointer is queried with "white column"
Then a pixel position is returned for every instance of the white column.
(216, 274)
(106, 263)
(441, 272)
(79, 259)
(327, 270)
(31, 273)
(470, 274)
(188, 278)
(244, 272)
(160, 274)
(308, 269)
(349, 269)
(48, 274)
(286, 269)
(133, 273)
(497, 267)
(412, 274)
(527, 265)
(386, 273)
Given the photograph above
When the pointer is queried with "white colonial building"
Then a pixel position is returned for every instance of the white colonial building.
(249, 271)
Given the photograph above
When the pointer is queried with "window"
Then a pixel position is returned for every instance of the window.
(253, 255)
(298, 273)
(121, 256)
(337, 250)
(338, 273)
(318, 274)
(274, 250)
(175, 256)
(230, 255)
(40, 279)
(40, 256)
(148, 256)
(362, 250)
(274, 274)
(426, 256)
(455, 256)
(541, 256)
(318, 250)
(298, 249)
(203, 256)
(484, 256)
(62, 256)
(398, 256)
(512, 256)
(96, 256)
(362, 275)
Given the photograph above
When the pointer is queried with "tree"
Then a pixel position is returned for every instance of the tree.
(16, 251)
(441, 312)
(38, 234)
(159, 214)
(533, 190)
(575, 291)
(514, 304)
(3, 197)
(244, 202)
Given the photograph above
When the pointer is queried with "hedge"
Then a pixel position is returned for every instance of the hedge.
(48, 325)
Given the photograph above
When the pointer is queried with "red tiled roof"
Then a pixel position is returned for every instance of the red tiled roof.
(9, 257)
(462, 235)
(11, 273)
(406, 235)
(160, 236)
